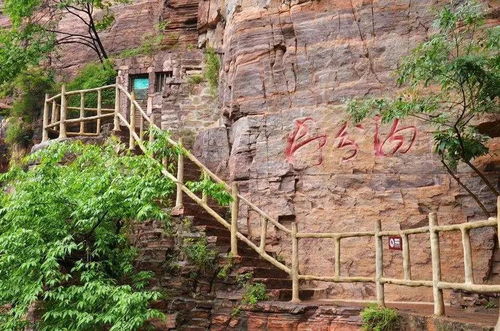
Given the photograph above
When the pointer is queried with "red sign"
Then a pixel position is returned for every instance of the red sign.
(395, 243)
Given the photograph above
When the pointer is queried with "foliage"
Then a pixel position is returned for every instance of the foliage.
(199, 253)
(18, 132)
(244, 278)
(450, 81)
(90, 76)
(211, 72)
(63, 237)
(39, 19)
(379, 318)
(195, 79)
(490, 305)
(22, 47)
(225, 270)
(151, 42)
(254, 293)
(215, 190)
(162, 148)
(29, 89)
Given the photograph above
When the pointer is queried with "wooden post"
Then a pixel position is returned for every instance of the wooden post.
(82, 112)
(149, 105)
(235, 205)
(151, 136)
(141, 127)
(406, 258)
(62, 118)
(45, 131)
(469, 277)
(99, 111)
(337, 256)
(379, 264)
(116, 120)
(53, 115)
(131, 143)
(436, 266)
(295, 265)
(263, 234)
(180, 179)
(204, 196)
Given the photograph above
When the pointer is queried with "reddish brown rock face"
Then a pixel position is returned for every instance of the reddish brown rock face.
(133, 22)
(287, 67)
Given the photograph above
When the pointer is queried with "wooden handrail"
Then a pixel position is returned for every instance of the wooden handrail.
(58, 119)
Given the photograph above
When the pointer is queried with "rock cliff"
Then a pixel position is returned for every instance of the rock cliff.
(287, 66)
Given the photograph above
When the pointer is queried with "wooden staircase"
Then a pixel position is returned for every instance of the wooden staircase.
(132, 123)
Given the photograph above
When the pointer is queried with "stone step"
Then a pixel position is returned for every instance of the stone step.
(286, 294)
(213, 230)
(245, 261)
(274, 283)
(263, 272)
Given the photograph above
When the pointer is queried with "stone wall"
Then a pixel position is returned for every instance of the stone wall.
(184, 105)
(287, 67)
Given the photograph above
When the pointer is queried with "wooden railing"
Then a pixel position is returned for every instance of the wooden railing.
(137, 121)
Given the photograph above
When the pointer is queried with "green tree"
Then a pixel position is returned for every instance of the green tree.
(21, 47)
(90, 76)
(28, 91)
(36, 30)
(64, 245)
(451, 81)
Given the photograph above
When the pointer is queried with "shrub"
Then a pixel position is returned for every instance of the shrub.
(211, 72)
(18, 132)
(379, 318)
(195, 79)
(152, 42)
(64, 237)
(198, 252)
(90, 76)
(254, 293)
(28, 90)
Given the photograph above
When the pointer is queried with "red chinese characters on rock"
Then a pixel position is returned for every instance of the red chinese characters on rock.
(398, 140)
(343, 141)
(300, 137)
(395, 140)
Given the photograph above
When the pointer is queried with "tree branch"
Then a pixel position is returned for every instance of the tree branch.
(457, 179)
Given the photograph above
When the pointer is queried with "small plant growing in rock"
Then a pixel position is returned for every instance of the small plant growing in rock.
(211, 72)
(243, 279)
(378, 318)
(195, 79)
(198, 252)
(225, 270)
(254, 293)
(490, 305)
(152, 42)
